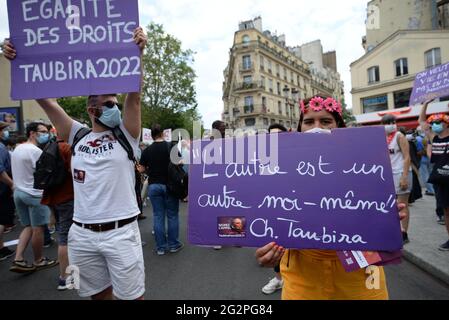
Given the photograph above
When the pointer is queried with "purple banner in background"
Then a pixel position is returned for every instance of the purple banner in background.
(73, 47)
(429, 84)
(324, 191)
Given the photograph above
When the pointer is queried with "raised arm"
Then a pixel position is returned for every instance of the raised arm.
(55, 113)
(58, 117)
(132, 110)
(423, 120)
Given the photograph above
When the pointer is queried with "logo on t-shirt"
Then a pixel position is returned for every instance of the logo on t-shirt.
(79, 175)
(98, 147)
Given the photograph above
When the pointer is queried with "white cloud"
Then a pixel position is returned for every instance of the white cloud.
(207, 27)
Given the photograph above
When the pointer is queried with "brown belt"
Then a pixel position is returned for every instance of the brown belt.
(103, 227)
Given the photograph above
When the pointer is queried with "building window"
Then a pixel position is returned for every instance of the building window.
(270, 85)
(292, 79)
(433, 57)
(280, 107)
(249, 101)
(265, 121)
(262, 80)
(279, 88)
(272, 121)
(281, 122)
(246, 62)
(401, 67)
(269, 66)
(278, 70)
(247, 80)
(262, 63)
(373, 74)
(246, 39)
(375, 104)
(402, 98)
(264, 104)
(250, 122)
(285, 74)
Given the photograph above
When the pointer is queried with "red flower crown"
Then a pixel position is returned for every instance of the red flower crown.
(317, 104)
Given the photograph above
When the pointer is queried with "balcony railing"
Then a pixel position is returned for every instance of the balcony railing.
(254, 85)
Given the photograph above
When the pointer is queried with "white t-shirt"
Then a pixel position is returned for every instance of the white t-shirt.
(396, 156)
(23, 165)
(103, 178)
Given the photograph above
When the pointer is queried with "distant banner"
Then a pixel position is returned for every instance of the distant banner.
(73, 48)
(167, 135)
(429, 84)
(12, 117)
(313, 191)
(146, 136)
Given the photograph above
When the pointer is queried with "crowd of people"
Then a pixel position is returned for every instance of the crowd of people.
(98, 203)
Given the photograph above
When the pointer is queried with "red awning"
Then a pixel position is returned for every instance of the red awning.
(409, 123)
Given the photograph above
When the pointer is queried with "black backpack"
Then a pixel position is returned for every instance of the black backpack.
(178, 180)
(50, 170)
(121, 138)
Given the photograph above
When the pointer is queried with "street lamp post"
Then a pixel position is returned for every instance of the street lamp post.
(295, 95)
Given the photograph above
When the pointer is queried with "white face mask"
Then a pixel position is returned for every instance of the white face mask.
(390, 128)
(318, 130)
(409, 137)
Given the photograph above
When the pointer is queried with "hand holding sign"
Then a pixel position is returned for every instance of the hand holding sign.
(270, 255)
(8, 50)
(140, 38)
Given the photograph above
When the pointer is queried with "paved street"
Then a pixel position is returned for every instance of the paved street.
(198, 273)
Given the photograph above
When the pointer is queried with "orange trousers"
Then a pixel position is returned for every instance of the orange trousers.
(319, 275)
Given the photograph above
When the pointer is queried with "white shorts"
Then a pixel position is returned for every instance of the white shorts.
(397, 181)
(113, 258)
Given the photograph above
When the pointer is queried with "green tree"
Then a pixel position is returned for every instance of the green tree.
(169, 96)
(348, 117)
(75, 108)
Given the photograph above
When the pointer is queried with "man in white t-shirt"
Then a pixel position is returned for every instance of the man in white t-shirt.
(32, 214)
(104, 242)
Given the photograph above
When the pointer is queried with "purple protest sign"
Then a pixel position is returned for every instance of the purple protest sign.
(432, 83)
(306, 191)
(73, 48)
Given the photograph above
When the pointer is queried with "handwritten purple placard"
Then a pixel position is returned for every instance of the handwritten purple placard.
(73, 48)
(327, 191)
(432, 83)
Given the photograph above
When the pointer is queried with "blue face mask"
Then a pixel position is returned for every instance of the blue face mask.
(437, 128)
(111, 117)
(5, 135)
(43, 138)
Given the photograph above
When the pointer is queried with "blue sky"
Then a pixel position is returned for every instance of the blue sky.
(207, 27)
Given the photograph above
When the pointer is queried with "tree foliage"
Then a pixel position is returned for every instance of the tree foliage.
(169, 96)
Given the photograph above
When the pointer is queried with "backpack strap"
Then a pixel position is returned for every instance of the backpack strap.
(121, 138)
(78, 136)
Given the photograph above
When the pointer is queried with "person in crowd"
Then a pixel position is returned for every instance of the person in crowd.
(7, 207)
(61, 200)
(399, 151)
(275, 283)
(437, 128)
(218, 132)
(32, 214)
(155, 159)
(424, 166)
(318, 274)
(416, 191)
(104, 240)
